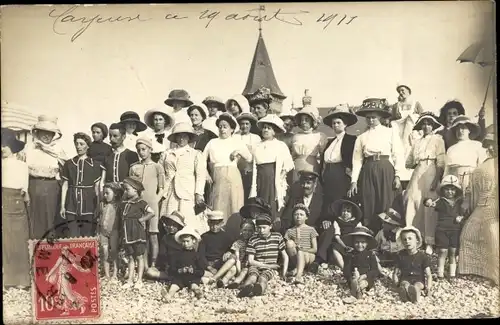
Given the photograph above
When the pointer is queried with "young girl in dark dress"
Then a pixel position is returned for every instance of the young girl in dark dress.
(361, 267)
(135, 212)
(412, 273)
(98, 149)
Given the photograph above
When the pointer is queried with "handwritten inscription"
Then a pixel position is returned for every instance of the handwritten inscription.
(295, 18)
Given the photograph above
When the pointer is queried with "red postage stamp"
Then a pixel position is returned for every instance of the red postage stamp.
(65, 279)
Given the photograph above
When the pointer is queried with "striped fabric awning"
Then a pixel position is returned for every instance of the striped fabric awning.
(17, 118)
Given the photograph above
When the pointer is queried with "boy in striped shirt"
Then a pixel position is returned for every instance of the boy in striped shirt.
(263, 250)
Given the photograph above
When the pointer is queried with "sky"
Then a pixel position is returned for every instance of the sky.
(132, 64)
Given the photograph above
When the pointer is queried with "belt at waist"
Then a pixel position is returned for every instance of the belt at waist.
(377, 157)
(81, 186)
(43, 178)
(334, 163)
(224, 165)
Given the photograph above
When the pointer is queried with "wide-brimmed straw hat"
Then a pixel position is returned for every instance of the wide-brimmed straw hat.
(216, 101)
(337, 206)
(360, 231)
(242, 102)
(187, 231)
(464, 120)
(450, 180)
(144, 140)
(131, 116)
(342, 111)
(134, 182)
(402, 85)
(179, 95)
(177, 217)
(48, 123)
(10, 140)
(256, 203)
(310, 111)
(228, 118)
(215, 215)
(392, 217)
(374, 105)
(272, 119)
(182, 127)
(490, 136)
(247, 116)
(429, 116)
(167, 113)
(200, 107)
(406, 229)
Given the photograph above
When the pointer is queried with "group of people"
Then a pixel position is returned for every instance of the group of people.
(230, 193)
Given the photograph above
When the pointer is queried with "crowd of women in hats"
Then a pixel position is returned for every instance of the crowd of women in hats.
(229, 193)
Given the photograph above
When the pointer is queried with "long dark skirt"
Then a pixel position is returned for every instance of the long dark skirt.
(336, 183)
(376, 191)
(45, 195)
(266, 188)
(15, 236)
(246, 178)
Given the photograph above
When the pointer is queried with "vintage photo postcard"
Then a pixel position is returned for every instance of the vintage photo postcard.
(249, 162)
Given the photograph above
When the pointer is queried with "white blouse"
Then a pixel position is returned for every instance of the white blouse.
(333, 153)
(270, 151)
(466, 153)
(15, 174)
(158, 147)
(218, 151)
(41, 164)
(427, 148)
(378, 140)
(308, 144)
(130, 142)
(182, 116)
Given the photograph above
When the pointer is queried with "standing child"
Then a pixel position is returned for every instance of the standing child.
(189, 266)
(301, 242)
(235, 259)
(98, 149)
(263, 250)
(109, 225)
(152, 176)
(214, 244)
(450, 218)
(135, 212)
(412, 272)
(168, 246)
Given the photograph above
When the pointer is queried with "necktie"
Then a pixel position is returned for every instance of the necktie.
(160, 137)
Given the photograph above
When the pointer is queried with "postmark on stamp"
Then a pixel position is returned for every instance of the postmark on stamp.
(65, 278)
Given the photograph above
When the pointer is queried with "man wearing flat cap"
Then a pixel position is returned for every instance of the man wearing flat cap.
(307, 191)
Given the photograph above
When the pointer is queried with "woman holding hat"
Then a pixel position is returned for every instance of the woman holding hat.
(307, 144)
(237, 104)
(160, 122)
(272, 162)
(466, 154)
(427, 159)
(185, 171)
(223, 154)
(133, 125)
(80, 189)
(198, 114)
(45, 158)
(15, 258)
(376, 163)
(248, 123)
(479, 240)
(336, 159)
(179, 100)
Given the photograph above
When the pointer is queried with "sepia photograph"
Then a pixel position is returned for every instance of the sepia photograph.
(249, 162)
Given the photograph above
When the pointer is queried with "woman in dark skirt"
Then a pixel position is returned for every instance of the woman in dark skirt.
(336, 159)
(378, 160)
(15, 223)
(272, 162)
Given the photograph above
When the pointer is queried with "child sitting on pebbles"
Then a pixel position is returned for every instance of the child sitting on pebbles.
(412, 273)
(254, 206)
(263, 250)
(301, 242)
(450, 218)
(214, 243)
(235, 260)
(361, 267)
(169, 248)
(387, 247)
(188, 267)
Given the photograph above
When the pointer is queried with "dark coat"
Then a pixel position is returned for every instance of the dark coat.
(297, 196)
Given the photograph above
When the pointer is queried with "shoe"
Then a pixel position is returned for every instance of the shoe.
(314, 267)
(403, 294)
(128, 285)
(246, 291)
(299, 281)
(257, 290)
(413, 294)
(220, 284)
(233, 285)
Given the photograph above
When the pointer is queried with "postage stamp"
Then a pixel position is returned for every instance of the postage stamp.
(65, 278)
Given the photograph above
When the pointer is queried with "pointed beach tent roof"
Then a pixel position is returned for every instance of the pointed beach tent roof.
(261, 72)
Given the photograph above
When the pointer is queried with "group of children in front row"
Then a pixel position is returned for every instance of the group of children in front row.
(188, 259)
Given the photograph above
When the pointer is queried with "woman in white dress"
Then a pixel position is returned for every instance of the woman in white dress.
(427, 159)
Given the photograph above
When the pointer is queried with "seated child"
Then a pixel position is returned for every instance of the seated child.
(301, 242)
(412, 272)
(450, 217)
(235, 260)
(263, 250)
(188, 266)
(214, 243)
(387, 247)
(254, 206)
(361, 267)
(169, 247)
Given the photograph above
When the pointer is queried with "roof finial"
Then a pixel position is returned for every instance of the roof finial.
(307, 99)
(261, 9)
